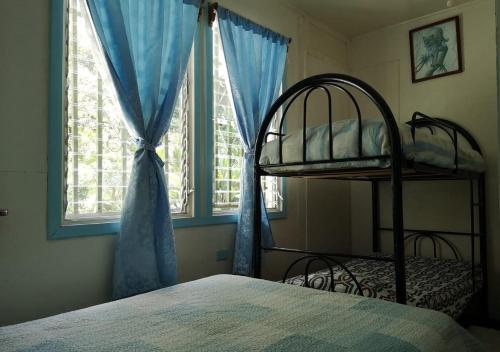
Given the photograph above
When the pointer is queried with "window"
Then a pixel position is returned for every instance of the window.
(99, 150)
(228, 149)
(91, 151)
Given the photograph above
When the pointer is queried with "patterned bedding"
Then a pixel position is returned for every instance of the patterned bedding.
(230, 313)
(432, 148)
(439, 284)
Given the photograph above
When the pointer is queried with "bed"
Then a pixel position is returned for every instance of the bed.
(232, 313)
(381, 150)
(440, 284)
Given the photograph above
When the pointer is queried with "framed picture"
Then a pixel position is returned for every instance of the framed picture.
(436, 50)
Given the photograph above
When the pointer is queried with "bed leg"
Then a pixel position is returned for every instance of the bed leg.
(483, 254)
(399, 249)
(472, 235)
(375, 217)
(256, 258)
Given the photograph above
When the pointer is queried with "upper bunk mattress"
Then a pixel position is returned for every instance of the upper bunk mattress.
(432, 148)
(232, 313)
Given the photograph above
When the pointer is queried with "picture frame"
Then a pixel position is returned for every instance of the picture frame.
(436, 50)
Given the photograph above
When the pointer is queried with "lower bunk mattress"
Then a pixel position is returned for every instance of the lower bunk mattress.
(232, 313)
(440, 284)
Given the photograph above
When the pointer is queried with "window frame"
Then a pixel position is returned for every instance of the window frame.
(201, 131)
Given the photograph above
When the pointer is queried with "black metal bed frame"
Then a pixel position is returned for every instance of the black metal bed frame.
(400, 170)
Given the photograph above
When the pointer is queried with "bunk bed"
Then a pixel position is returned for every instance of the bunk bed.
(361, 149)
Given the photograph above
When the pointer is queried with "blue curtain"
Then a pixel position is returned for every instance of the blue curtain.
(147, 45)
(255, 58)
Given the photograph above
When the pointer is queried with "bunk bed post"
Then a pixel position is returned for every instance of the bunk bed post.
(397, 221)
(472, 234)
(397, 197)
(257, 238)
(483, 258)
(375, 217)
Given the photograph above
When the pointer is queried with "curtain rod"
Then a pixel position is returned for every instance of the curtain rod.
(212, 13)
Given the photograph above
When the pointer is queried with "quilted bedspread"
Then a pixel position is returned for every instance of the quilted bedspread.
(231, 313)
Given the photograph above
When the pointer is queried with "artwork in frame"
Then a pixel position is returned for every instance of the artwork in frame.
(436, 50)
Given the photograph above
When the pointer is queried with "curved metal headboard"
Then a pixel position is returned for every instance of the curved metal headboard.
(326, 260)
(452, 129)
(337, 81)
(418, 237)
(422, 120)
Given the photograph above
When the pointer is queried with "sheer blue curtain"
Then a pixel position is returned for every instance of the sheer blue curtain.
(147, 45)
(255, 58)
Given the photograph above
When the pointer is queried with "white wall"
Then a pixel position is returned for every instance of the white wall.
(40, 277)
(382, 58)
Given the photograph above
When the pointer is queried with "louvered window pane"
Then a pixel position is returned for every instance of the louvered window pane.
(98, 149)
(228, 150)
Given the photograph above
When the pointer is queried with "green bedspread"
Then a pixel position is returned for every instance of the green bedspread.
(232, 313)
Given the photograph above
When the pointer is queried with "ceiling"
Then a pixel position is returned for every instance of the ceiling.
(353, 17)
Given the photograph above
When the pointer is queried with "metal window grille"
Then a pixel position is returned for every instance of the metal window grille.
(98, 149)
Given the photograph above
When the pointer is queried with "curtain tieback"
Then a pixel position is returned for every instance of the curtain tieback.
(249, 152)
(152, 148)
(147, 146)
